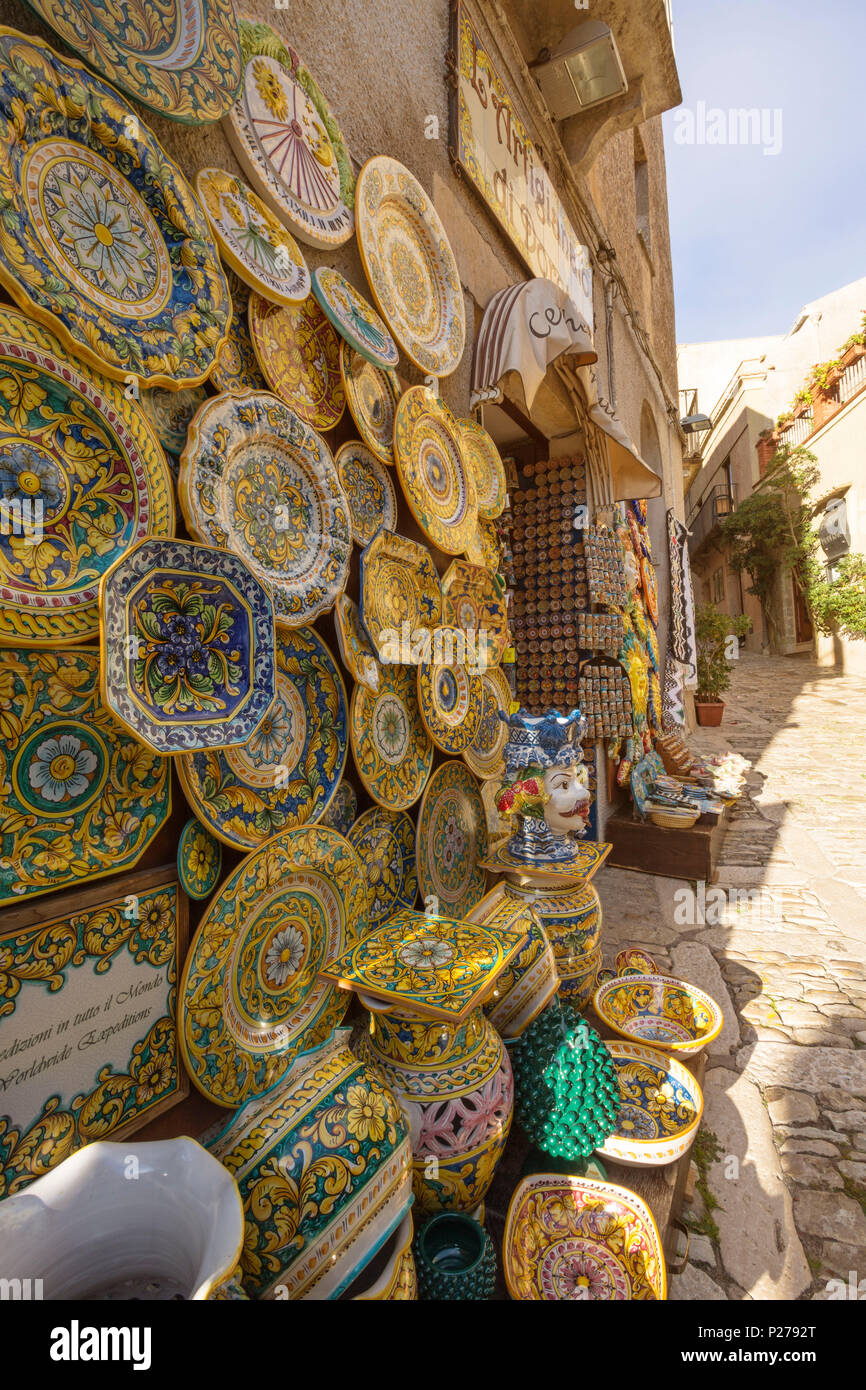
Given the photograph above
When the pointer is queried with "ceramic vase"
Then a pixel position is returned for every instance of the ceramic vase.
(526, 986)
(150, 1221)
(456, 1259)
(572, 920)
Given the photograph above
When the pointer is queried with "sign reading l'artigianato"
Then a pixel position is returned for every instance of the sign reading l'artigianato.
(495, 150)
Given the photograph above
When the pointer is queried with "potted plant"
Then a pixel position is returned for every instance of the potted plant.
(712, 631)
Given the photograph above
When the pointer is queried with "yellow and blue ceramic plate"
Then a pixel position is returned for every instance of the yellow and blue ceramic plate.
(251, 239)
(369, 491)
(392, 750)
(660, 1107)
(451, 841)
(356, 653)
(437, 483)
(354, 319)
(237, 367)
(401, 599)
(449, 692)
(484, 753)
(372, 394)
(483, 458)
(299, 354)
(199, 860)
(385, 844)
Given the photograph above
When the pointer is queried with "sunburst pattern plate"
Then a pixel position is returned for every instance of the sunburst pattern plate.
(251, 999)
(410, 265)
(199, 860)
(385, 844)
(439, 487)
(256, 245)
(392, 750)
(372, 394)
(472, 602)
(484, 754)
(354, 319)
(369, 491)
(356, 653)
(449, 692)
(487, 468)
(451, 841)
(299, 354)
(400, 594)
(255, 479)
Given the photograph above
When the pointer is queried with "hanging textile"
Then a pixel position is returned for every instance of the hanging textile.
(681, 667)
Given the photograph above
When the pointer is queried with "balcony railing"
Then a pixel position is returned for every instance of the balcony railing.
(800, 429)
(704, 521)
(852, 380)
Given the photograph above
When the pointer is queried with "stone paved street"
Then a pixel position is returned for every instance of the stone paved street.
(779, 1209)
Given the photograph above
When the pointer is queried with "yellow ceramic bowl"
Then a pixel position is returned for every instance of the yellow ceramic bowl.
(661, 1107)
(659, 1010)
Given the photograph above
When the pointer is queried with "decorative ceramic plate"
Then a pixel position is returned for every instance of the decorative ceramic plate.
(471, 601)
(434, 966)
(171, 412)
(199, 860)
(369, 491)
(354, 319)
(393, 751)
(588, 859)
(657, 1009)
(483, 548)
(410, 265)
(289, 770)
(103, 240)
(571, 1239)
(81, 479)
(299, 353)
(250, 997)
(449, 692)
(660, 1107)
(355, 651)
(484, 754)
(438, 485)
(255, 479)
(385, 844)
(180, 59)
(343, 810)
(372, 394)
(82, 798)
(187, 646)
(288, 143)
(400, 595)
(650, 589)
(237, 367)
(451, 841)
(486, 466)
(256, 245)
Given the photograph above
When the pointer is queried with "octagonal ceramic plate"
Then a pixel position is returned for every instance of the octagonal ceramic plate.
(400, 596)
(472, 602)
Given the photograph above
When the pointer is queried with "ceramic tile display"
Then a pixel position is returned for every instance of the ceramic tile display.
(354, 319)
(372, 394)
(85, 799)
(299, 354)
(410, 265)
(182, 60)
(401, 598)
(472, 602)
(251, 239)
(451, 841)
(438, 484)
(288, 142)
(486, 466)
(65, 183)
(199, 860)
(288, 772)
(81, 472)
(250, 999)
(89, 1005)
(385, 844)
(369, 491)
(186, 646)
(356, 653)
(392, 750)
(449, 692)
(256, 479)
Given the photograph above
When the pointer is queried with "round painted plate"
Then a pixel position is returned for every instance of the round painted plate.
(82, 478)
(181, 58)
(255, 479)
(372, 394)
(287, 773)
(199, 860)
(484, 754)
(356, 653)
(341, 813)
(299, 353)
(385, 844)
(103, 238)
(392, 750)
(171, 412)
(451, 841)
(288, 143)
(250, 997)
(438, 486)
(369, 491)
(486, 466)
(410, 265)
(257, 247)
(237, 367)
(449, 693)
(354, 319)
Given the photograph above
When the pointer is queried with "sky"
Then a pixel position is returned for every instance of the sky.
(756, 236)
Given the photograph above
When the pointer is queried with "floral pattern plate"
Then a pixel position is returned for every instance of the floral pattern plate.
(385, 844)
(237, 367)
(410, 265)
(171, 413)
(199, 860)
(299, 354)
(354, 319)
(187, 646)
(250, 997)
(372, 394)
(400, 593)
(343, 810)
(81, 479)
(83, 799)
(657, 1009)
(575, 1239)
(660, 1107)
(287, 773)
(484, 754)
(356, 653)
(180, 59)
(439, 487)
(288, 143)
(104, 240)
(392, 750)
(251, 239)
(486, 466)
(449, 692)
(451, 841)
(472, 602)
(369, 491)
(256, 479)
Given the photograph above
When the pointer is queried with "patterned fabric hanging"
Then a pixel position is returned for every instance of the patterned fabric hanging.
(682, 660)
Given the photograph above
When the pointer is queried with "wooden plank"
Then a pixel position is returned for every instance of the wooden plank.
(652, 849)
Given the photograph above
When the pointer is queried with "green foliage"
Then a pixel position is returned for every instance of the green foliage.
(803, 397)
(840, 606)
(712, 630)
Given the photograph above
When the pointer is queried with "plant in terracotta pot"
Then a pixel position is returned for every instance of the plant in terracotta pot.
(713, 629)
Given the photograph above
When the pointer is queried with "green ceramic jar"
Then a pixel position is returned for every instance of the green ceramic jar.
(455, 1259)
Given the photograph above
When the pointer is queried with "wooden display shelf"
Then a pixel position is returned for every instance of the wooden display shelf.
(652, 849)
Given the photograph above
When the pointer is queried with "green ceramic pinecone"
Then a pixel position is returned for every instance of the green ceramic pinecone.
(567, 1095)
(439, 1282)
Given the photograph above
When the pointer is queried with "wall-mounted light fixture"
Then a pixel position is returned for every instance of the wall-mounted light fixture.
(581, 72)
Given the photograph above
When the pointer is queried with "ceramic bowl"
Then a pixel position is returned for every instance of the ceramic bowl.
(635, 962)
(657, 1009)
(661, 1107)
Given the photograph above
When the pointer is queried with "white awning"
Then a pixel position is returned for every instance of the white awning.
(524, 329)
(631, 477)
